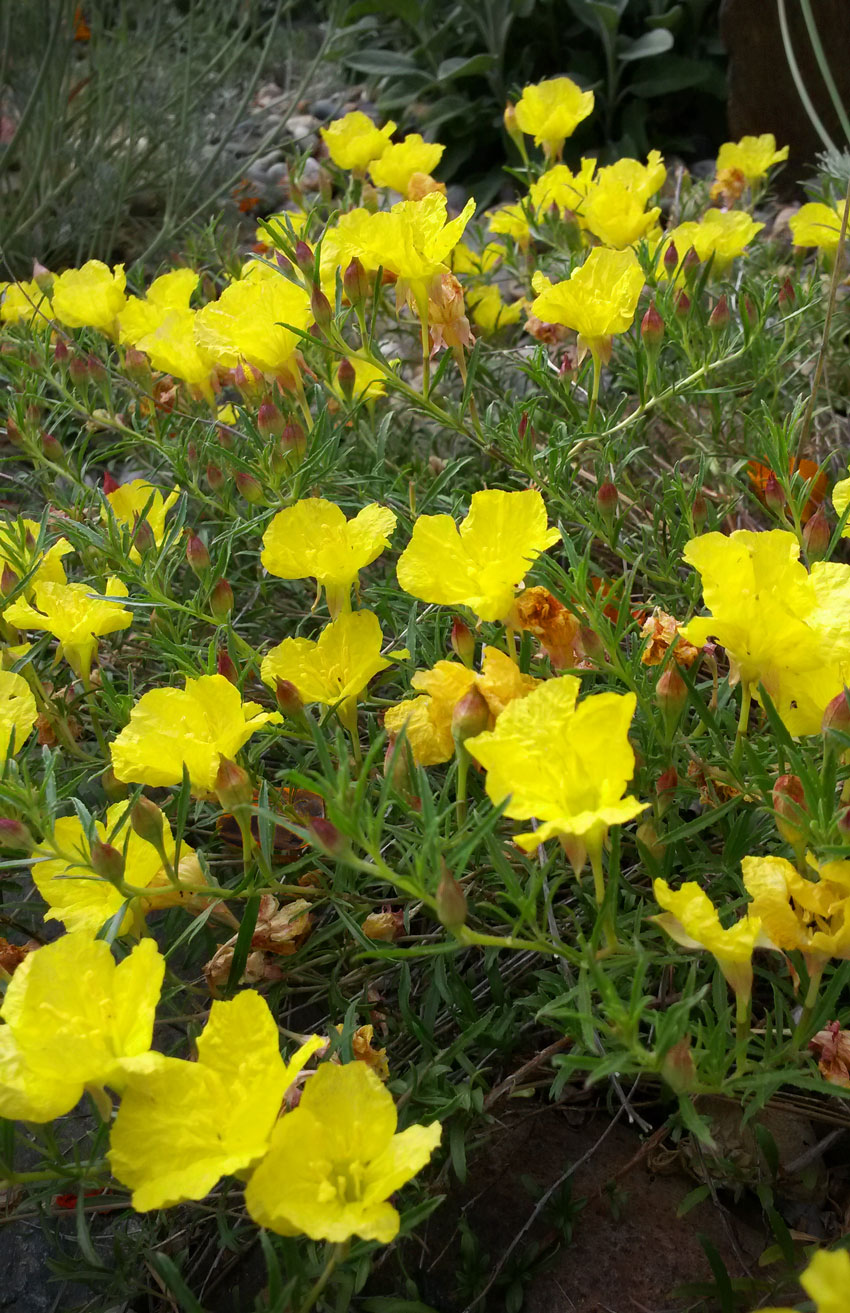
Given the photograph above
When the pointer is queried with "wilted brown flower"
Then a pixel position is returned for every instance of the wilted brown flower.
(832, 1049)
(662, 631)
(554, 627)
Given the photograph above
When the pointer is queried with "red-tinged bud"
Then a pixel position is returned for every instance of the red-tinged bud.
(32, 414)
(591, 645)
(787, 296)
(193, 456)
(197, 555)
(78, 371)
(96, 369)
(346, 378)
(774, 495)
(215, 478)
(327, 838)
(116, 790)
(61, 354)
(233, 786)
(356, 283)
(607, 502)
(142, 537)
(451, 902)
(690, 264)
(749, 314)
(471, 716)
(647, 835)
(221, 599)
(512, 128)
(225, 666)
(148, 822)
(109, 484)
(463, 642)
(790, 811)
(137, 366)
(400, 768)
(321, 308)
(9, 580)
(225, 437)
(288, 699)
(816, 535)
(293, 441)
(665, 788)
(719, 317)
(671, 694)
(682, 305)
(270, 421)
(52, 449)
(107, 862)
(677, 1067)
(671, 258)
(842, 822)
(837, 714)
(15, 836)
(699, 510)
(249, 487)
(305, 259)
(652, 329)
(13, 432)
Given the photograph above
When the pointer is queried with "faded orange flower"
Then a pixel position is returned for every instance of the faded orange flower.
(447, 319)
(552, 624)
(662, 631)
(832, 1049)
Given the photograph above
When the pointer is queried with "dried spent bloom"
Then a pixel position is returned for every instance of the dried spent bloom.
(826, 1280)
(550, 111)
(480, 563)
(313, 540)
(751, 156)
(73, 1017)
(662, 632)
(334, 1161)
(194, 726)
(447, 321)
(90, 297)
(552, 624)
(399, 162)
(129, 501)
(18, 712)
(690, 918)
(354, 141)
(183, 1125)
(598, 299)
(74, 614)
(832, 1049)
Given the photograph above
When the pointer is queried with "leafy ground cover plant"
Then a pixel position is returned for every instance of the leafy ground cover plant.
(424, 637)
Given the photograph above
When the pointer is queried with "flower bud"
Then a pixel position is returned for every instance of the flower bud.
(699, 510)
(61, 354)
(9, 580)
(107, 862)
(749, 313)
(677, 1067)
(288, 699)
(148, 821)
(671, 258)
(116, 790)
(327, 838)
(842, 822)
(607, 501)
(215, 478)
(719, 317)
(197, 555)
(671, 694)
(400, 768)
(816, 536)
(787, 297)
(193, 456)
(451, 902)
(15, 836)
(774, 495)
(96, 369)
(652, 330)
(591, 644)
(665, 788)
(305, 259)
(137, 366)
(221, 599)
(690, 264)
(233, 786)
(790, 810)
(346, 378)
(321, 308)
(249, 487)
(270, 420)
(142, 536)
(647, 835)
(463, 642)
(52, 449)
(356, 283)
(224, 665)
(837, 714)
(471, 716)
(78, 372)
(110, 485)
(293, 441)
(13, 432)
(512, 128)
(682, 305)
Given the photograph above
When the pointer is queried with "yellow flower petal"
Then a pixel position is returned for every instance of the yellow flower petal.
(18, 712)
(313, 539)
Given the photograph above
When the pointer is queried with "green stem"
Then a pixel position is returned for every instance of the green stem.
(462, 773)
(609, 928)
(742, 1033)
(801, 1029)
(743, 721)
(337, 1254)
(594, 395)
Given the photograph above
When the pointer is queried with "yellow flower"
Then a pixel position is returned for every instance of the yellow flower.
(616, 215)
(817, 225)
(73, 1017)
(810, 915)
(841, 500)
(18, 712)
(196, 725)
(427, 720)
(183, 1125)
(642, 180)
(313, 540)
(722, 234)
(511, 221)
(370, 382)
(82, 900)
(172, 347)
(75, 615)
(398, 163)
(751, 156)
(826, 1280)
(551, 111)
(560, 187)
(782, 626)
(597, 300)
(90, 297)
(167, 295)
(690, 918)
(18, 553)
(466, 261)
(333, 670)
(480, 564)
(566, 765)
(288, 225)
(23, 302)
(246, 323)
(128, 502)
(335, 1160)
(354, 141)
(489, 312)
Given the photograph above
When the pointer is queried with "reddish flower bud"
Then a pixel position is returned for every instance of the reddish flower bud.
(193, 457)
(837, 714)
(327, 838)
(224, 665)
(293, 441)
(749, 314)
(356, 282)
(137, 366)
(652, 329)
(816, 535)
(9, 580)
(14, 835)
(197, 555)
(471, 716)
(215, 478)
(288, 699)
(774, 495)
(305, 259)
(52, 449)
(677, 1067)
(699, 510)
(221, 599)
(690, 264)
(671, 694)
(233, 786)
(321, 308)
(78, 371)
(61, 354)
(607, 502)
(787, 296)
(142, 536)
(107, 862)
(400, 768)
(665, 787)
(790, 810)
(148, 821)
(451, 902)
(96, 369)
(270, 421)
(13, 432)
(842, 822)
(682, 305)
(109, 484)
(671, 258)
(249, 487)
(346, 378)
(719, 317)
(463, 641)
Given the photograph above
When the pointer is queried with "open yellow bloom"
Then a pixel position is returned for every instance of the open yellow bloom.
(18, 712)
(75, 615)
(73, 1016)
(196, 726)
(782, 626)
(427, 720)
(183, 1125)
(616, 215)
(398, 163)
(128, 502)
(551, 111)
(751, 156)
(335, 1160)
(490, 312)
(313, 540)
(565, 764)
(354, 141)
(18, 539)
(481, 563)
(723, 234)
(826, 1280)
(511, 221)
(169, 294)
(333, 670)
(90, 297)
(465, 260)
(246, 324)
(642, 180)
(81, 899)
(810, 915)
(817, 225)
(561, 188)
(597, 300)
(23, 303)
(690, 918)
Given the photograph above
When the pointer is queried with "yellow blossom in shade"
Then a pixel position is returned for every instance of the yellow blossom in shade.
(196, 725)
(72, 1019)
(18, 712)
(597, 300)
(397, 165)
(76, 615)
(826, 1280)
(721, 234)
(617, 216)
(782, 626)
(566, 764)
(642, 180)
(128, 502)
(183, 1125)
(336, 1159)
(551, 111)
(82, 900)
(172, 347)
(287, 225)
(19, 553)
(810, 915)
(167, 295)
(483, 561)
(246, 323)
(751, 156)
(841, 500)
(313, 540)
(427, 720)
(464, 260)
(23, 303)
(511, 221)
(818, 225)
(690, 918)
(334, 669)
(90, 297)
(490, 312)
(561, 188)
(354, 141)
